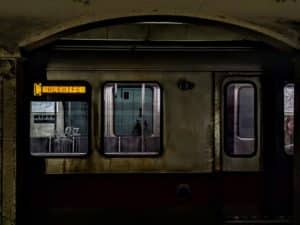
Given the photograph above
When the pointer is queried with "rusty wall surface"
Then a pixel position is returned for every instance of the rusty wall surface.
(8, 141)
(23, 24)
(165, 32)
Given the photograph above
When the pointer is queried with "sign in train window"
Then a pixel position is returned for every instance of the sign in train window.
(132, 119)
(289, 119)
(59, 119)
(240, 119)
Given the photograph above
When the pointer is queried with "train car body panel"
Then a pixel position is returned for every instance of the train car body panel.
(194, 178)
(195, 133)
(181, 135)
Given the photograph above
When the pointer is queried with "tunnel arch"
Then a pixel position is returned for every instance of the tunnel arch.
(270, 36)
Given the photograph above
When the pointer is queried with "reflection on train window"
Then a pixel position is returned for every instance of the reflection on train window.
(58, 128)
(240, 119)
(289, 119)
(246, 112)
(132, 118)
(128, 110)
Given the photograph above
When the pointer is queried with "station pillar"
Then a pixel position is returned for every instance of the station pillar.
(7, 141)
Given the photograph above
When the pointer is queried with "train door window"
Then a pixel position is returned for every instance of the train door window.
(240, 119)
(289, 119)
(59, 121)
(132, 114)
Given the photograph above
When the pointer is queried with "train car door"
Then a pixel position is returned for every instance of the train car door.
(238, 103)
(256, 168)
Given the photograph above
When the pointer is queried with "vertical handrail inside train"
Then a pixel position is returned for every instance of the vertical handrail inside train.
(142, 116)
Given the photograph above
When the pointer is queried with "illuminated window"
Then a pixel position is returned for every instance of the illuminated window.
(59, 128)
(240, 119)
(289, 119)
(132, 113)
(59, 119)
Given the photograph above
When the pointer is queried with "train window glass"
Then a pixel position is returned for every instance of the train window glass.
(246, 112)
(289, 119)
(240, 119)
(128, 110)
(132, 114)
(58, 128)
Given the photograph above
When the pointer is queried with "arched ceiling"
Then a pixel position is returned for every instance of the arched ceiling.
(24, 23)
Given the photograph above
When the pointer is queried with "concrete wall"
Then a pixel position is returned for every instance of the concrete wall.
(8, 141)
(164, 31)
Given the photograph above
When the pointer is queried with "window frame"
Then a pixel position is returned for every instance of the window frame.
(102, 122)
(63, 98)
(224, 117)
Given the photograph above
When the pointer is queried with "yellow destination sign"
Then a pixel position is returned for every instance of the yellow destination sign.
(39, 89)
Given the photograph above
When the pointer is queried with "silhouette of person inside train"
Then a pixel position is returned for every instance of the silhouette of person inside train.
(137, 129)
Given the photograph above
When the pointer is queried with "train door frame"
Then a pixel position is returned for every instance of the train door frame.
(224, 162)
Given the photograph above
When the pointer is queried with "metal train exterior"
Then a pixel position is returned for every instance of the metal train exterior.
(165, 133)
(139, 112)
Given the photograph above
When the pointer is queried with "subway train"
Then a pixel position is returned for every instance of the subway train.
(156, 132)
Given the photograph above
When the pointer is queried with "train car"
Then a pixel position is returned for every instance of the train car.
(156, 132)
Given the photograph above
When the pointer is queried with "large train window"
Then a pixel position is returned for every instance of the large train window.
(59, 119)
(289, 119)
(132, 118)
(240, 119)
